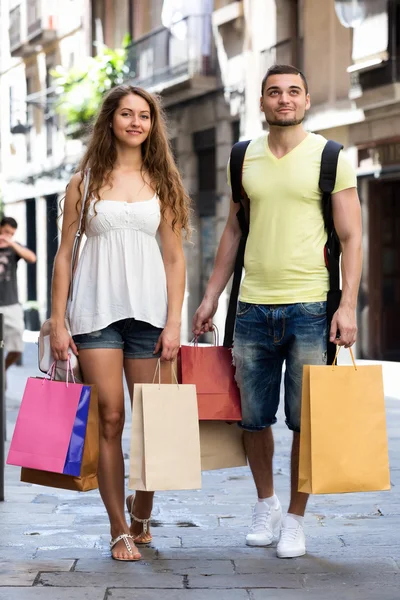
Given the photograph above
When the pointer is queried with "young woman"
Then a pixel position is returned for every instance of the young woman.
(126, 307)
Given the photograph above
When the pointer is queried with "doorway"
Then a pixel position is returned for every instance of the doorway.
(384, 269)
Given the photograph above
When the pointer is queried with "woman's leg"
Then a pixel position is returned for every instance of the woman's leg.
(141, 370)
(103, 367)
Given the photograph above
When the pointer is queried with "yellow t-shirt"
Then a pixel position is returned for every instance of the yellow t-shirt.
(284, 259)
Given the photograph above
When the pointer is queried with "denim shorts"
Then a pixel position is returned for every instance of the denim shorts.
(265, 336)
(136, 338)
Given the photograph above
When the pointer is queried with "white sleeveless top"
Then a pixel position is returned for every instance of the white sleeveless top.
(120, 272)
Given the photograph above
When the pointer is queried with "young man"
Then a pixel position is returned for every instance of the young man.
(10, 253)
(282, 309)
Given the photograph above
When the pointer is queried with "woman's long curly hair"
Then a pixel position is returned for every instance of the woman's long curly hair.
(158, 161)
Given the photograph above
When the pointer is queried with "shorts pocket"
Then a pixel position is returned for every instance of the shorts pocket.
(313, 309)
(243, 308)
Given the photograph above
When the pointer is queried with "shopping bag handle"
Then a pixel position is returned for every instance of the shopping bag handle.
(52, 371)
(215, 330)
(338, 348)
(158, 368)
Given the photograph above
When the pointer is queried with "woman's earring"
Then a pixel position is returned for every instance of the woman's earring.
(110, 125)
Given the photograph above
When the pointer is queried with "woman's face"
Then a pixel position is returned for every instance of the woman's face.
(131, 122)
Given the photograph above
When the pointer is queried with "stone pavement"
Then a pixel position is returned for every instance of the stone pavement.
(54, 544)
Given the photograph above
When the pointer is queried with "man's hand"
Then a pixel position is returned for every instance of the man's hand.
(202, 320)
(344, 321)
(5, 242)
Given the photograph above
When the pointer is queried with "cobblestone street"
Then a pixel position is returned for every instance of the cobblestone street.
(54, 544)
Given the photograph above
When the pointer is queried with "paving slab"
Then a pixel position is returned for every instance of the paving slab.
(21, 573)
(272, 580)
(117, 594)
(18, 593)
(177, 567)
(342, 593)
(351, 579)
(311, 564)
(111, 580)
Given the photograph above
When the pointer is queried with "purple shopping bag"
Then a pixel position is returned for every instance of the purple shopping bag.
(45, 424)
(73, 462)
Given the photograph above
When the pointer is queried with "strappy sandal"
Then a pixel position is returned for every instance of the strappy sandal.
(125, 537)
(145, 522)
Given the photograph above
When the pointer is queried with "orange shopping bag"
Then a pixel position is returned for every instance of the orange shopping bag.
(343, 440)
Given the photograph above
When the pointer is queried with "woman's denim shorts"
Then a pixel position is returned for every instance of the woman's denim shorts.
(136, 338)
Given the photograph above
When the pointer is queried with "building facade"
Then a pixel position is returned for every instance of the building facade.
(206, 58)
(36, 158)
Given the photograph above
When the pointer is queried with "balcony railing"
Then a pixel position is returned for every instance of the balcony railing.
(286, 52)
(169, 54)
(15, 28)
(34, 21)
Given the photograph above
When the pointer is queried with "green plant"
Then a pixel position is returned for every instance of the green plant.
(81, 88)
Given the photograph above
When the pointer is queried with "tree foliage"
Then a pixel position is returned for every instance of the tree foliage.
(81, 88)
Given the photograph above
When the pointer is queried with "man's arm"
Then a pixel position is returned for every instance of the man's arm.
(347, 220)
(24, 253)
(223, 269)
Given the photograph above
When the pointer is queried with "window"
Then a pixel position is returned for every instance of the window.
(11, 97)
(29, 121)
(15, 27)
(49, 115)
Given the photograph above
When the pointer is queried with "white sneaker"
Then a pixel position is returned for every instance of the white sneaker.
(292, 542)
(266, 524)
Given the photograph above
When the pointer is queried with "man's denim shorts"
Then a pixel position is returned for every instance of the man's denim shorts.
(136, 338)
(265, 336)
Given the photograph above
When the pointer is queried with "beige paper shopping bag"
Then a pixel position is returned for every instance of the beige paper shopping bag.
(165, 444)
(343, 441)
(221, 446)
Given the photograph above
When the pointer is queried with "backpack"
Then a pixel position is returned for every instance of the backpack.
(327, 179)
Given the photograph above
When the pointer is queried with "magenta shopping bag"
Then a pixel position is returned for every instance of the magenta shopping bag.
(45, 424)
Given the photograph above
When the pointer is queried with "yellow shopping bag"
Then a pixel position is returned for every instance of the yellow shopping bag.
(343, 440)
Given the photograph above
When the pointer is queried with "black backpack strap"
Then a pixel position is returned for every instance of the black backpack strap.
(327, 180)
(236, 168)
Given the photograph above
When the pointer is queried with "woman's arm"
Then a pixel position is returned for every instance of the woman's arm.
(60, 339)
(175, 270)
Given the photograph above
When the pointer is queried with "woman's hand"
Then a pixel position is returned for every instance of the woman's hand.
(169, 342)
(60, 342)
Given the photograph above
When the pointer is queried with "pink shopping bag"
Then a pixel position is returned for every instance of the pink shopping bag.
(44, 425)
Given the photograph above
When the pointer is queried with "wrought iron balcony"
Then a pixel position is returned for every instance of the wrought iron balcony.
(167, 57)
(15, 30)
(34, 21)
(40, 26)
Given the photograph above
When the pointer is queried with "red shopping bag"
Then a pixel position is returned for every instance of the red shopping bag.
(210, 368)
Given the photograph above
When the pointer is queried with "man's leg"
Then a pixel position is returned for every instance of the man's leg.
(13, 333)
(258, 373)
(307, 328)
(259, 447)
(12, 357)
(298, 500)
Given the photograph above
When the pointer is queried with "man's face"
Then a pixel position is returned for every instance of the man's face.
(7, 231)
(284, 101)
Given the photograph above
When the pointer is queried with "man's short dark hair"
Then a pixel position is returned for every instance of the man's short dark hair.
(283, 70)
(9, 221)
